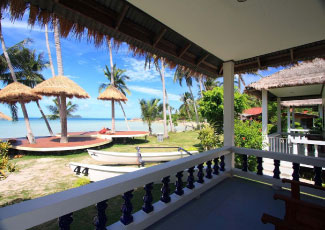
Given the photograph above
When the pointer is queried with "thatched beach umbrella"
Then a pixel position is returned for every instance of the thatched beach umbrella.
(63, 87)
(112, 94)
(5, 117)
(17, 92)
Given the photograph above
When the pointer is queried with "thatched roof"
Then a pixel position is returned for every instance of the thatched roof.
(58, 85)
(15, 92)
(304, 73)
(112, 93)
(99, 20)
(5, 117)
(301, 103)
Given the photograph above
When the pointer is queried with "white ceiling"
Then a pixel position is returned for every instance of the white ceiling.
(305, 90)
(234, 31)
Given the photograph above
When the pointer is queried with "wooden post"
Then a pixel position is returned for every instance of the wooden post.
(228, 111)
(293, 117)
(265, 145)
(288, 119)
(279, 115)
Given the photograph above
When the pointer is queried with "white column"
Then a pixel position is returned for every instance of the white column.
(279, 115)
(288, 119)
(228, 111)
(264, 121)
(293, 117)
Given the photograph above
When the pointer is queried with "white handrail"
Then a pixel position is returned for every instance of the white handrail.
(22, 215)
(319, 162)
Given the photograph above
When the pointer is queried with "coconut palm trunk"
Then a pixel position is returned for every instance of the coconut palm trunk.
(30, 135)
(112, 82)
(170, 114)
(50, 58)
(195, 108)
(45, 119)
(162, 74)
(62, 101)
(125, 118)
(201, 85)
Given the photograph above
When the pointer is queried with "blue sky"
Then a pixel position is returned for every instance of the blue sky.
(84, 64)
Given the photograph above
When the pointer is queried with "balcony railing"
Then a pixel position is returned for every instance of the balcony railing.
(203, 171)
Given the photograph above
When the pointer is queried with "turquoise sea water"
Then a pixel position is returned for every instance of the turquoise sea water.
(9, 129)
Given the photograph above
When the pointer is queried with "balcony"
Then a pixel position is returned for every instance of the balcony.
(209, 190)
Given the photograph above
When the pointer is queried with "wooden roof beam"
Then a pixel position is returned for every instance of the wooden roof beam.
(258, 62)
(121, 16)
(158, 37)
(221, 69)
(184, 49)
(201, 59)
(291, 55)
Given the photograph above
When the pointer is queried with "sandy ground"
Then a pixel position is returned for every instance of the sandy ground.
(53, 175)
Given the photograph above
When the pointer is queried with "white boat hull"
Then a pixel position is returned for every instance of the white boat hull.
(132, 158)
(99, 172)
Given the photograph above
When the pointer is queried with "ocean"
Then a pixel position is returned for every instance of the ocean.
(9, 129)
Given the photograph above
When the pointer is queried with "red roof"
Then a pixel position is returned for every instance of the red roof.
(253, 111)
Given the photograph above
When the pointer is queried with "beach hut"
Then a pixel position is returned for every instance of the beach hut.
(18, 92)
(5, 117)
(112, 94)
(62, 87)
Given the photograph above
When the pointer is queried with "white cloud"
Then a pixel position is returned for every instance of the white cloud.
(82, 62)
(137, 72)
(99, 69)
(21, 25)
(154, 92)
(72, 77)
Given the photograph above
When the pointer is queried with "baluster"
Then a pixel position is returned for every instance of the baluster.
(316, 150)
(216, 166)
(147, 198)
(276, 171)
(127, 208)
(306, 149)
(259, 166)
(179, 184)
(65, 221)
(244, 159)
(222, 163)
(200, 174)
(295, 174)
(318, 176)
(100, 219)
(190, 178)
(165, 190)
(209, 170)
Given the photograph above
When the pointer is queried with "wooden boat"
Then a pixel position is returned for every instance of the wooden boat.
(134, 158)
(99, 172)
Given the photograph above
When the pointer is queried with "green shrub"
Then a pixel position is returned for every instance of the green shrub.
(248, 135)
(208, 138)
(4, 158)
(81, 181)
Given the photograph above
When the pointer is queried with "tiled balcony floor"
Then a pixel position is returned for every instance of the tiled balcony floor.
(235, 203)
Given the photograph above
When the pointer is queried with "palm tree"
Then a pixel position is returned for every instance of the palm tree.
(30, 135)
(27, 66)
(212, 83)
(119, 82)
(149, 111)
(71, 108)
(161, 70)
(178, 77)
(187, 99)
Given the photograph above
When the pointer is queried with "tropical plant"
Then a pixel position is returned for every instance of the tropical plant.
(186, 99)
(181, 75)
(212, 83)
(4, 159)
(30, 135)
(211, 107)
(208, 138)
(54, 109)
(161, 70)
(149, 111)
(119, 82)
(27, 65)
